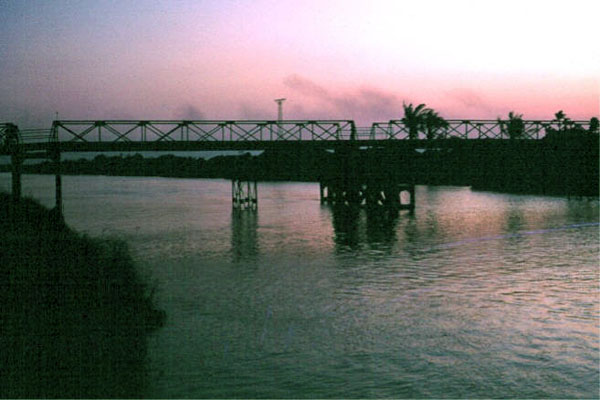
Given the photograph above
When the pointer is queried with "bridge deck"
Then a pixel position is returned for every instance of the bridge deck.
(271, 145)
(117, 135)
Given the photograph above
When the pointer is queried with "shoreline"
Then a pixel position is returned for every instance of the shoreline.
(474, 187)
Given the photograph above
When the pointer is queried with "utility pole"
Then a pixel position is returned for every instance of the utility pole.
(279, 115)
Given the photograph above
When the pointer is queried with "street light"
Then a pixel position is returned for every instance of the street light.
(279, 115)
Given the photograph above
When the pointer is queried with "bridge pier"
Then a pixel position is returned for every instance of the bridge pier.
(16, 161)
(55, 156)
(244, 194)
(369, 180)
(368, 193)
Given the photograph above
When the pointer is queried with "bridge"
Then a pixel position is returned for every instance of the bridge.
(340, 136)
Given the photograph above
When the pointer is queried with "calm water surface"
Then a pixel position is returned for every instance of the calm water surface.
(475, 295)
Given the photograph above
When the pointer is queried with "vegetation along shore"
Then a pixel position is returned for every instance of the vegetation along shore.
(74, 313)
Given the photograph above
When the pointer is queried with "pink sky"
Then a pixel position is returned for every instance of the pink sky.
(331, 59)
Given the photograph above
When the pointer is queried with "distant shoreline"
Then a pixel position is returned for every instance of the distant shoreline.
(556, 168)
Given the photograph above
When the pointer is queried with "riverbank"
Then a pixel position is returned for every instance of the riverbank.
(74, 313)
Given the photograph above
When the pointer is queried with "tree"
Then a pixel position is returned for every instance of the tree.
(594, 125)
(414, 119)
(432, 123)
(566, 128)
(514, 127)
(562, 121)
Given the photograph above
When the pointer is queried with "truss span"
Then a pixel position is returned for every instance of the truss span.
(203, 131)
(464, 129)
(148, 135)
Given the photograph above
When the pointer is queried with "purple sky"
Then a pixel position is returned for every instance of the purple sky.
(330, 58)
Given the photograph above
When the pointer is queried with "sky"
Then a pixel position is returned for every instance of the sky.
(330, 59)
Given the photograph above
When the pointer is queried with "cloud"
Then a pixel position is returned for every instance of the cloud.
(470, 100)
(306, 87)
(248, 110)
(188, 112)
(362, 104)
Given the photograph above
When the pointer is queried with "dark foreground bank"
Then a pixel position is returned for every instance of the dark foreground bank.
(74, 314)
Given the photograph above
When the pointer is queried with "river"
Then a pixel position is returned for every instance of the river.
(476, 294)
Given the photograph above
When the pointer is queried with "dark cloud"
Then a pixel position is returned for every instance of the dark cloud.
(470, 100)
(189, 112)
(364, 104)
(248, 110)
(306, 87)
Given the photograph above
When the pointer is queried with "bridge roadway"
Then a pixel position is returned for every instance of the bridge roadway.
(121, 135)
(208, 135)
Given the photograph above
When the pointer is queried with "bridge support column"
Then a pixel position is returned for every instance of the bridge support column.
(369, 193)
(329, 192)
(322, 192)
(16, 161)
(244, 195)
(57, 180)
(340, 192)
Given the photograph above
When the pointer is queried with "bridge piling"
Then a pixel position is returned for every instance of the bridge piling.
(55, 155)
(244, 195)
(366, 179)
(16, 161)
(322, 190)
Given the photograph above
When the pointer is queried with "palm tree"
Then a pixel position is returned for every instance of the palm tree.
(432, 122)
(564, 123)
(414, 119)
(565, 127)
(561, 119)
(514, 127)
(594, 125)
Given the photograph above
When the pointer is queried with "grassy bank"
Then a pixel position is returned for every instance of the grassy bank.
(74, 314)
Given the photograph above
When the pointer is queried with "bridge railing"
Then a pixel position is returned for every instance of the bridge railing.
(467, 129)
(27, 136)
(216, 131)
(121, 131)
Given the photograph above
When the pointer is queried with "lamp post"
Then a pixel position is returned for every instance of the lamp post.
(279, 115)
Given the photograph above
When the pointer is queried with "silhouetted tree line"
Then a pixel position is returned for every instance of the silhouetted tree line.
(270, 165)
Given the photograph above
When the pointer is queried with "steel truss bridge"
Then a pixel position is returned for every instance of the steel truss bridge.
(121, 135)
(198, 135)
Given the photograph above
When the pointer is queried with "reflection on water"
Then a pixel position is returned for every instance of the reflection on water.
(381, 225)
(473, 295)
(346, 222)
(355, 226)
(244, 243)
